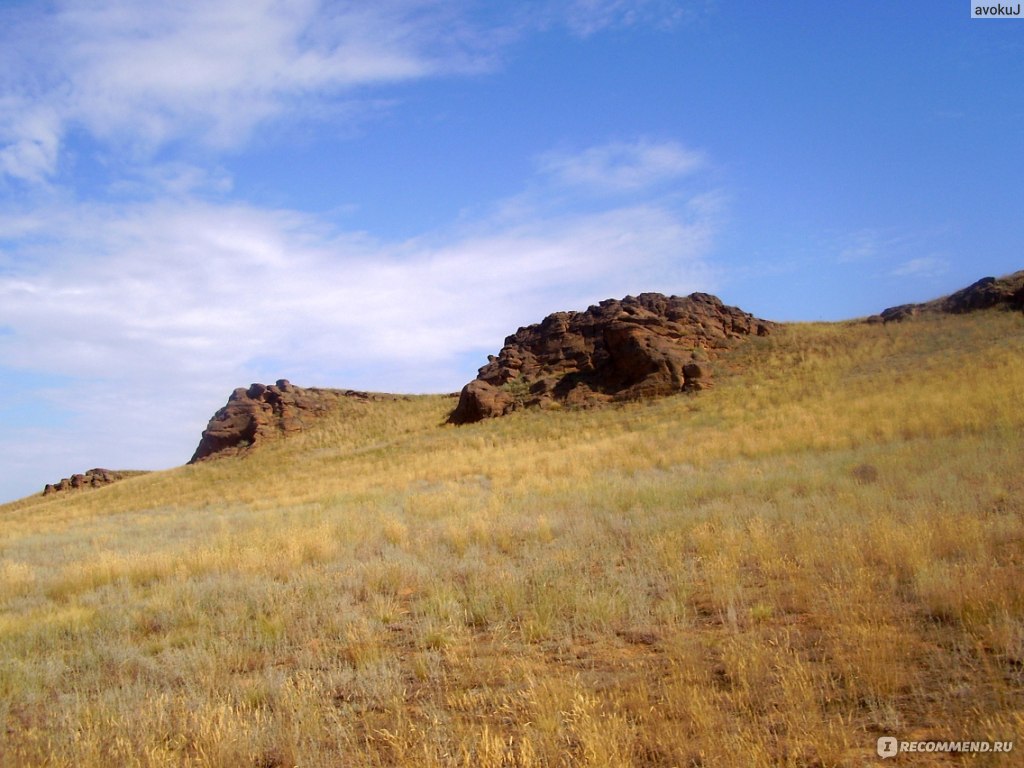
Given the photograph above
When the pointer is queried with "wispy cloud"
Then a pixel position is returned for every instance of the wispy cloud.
(587, 17)
(622, 166)
(924, 266)
(894, 251)
(873, 244)
(144, 74)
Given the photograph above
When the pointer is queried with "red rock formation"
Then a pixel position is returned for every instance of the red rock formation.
(94, 478)
(1004, 292)
(255, 414)
(644, 346)
(263, 412)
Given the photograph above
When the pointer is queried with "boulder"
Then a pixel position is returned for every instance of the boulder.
(480, 400)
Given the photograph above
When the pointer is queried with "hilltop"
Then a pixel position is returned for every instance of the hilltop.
(638, 347)
(820, 549)
(1005, 292)
(635, 348)
(92, 478)
(264, 413)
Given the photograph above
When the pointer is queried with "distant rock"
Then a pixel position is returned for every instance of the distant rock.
(1003, 292)
(640, 346)
(265, 412)
(94, 478)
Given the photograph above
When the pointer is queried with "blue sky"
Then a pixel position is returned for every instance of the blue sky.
(199, 195)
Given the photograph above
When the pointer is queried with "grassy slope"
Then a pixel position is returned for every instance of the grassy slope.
(824, 548)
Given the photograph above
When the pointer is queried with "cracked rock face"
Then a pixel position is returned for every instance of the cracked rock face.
(259, 413)
(265, 412)
(640, 346)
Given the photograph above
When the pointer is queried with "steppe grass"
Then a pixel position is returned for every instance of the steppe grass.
(826, 547)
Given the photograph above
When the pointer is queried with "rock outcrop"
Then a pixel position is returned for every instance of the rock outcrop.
(256, 414)
(1004, 292)
(265, 412)
(643, 346)
(93, 478)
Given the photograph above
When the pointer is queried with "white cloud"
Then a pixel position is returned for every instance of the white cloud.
(190, 288)
(860, 246)
(143, 74)
(587, 17)
(894, 252)
(924, 266)
(622, 166)
(178, 179)
(879, 244)
(29, 139)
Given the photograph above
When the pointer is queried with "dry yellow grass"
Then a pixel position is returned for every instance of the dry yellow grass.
(826, 547)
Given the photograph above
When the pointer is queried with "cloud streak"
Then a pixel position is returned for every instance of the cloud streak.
(923, 266)
(144, 75)
(622, 166)
(588, 17)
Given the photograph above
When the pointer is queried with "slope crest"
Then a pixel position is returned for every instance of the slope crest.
(265, 412)
(1005, 292)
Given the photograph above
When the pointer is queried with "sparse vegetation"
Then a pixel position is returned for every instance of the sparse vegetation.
(824, 548)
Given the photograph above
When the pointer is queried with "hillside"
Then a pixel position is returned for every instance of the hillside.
(823, 548)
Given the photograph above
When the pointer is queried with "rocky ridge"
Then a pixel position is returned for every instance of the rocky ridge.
(1005, 292)
(621, 349)
(93, 478)
(265, 412)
